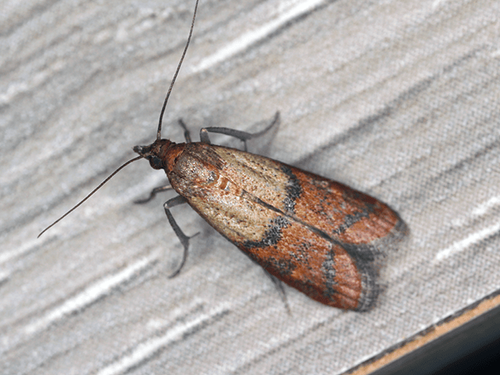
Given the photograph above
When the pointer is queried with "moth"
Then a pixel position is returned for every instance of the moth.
(312, 233)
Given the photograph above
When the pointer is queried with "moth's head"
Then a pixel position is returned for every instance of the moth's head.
(155, 152)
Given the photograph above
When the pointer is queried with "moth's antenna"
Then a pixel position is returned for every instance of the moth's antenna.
(158, 133)
(88, 196)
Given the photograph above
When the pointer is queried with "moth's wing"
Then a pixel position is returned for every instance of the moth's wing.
(363, 224)
(289, 250)
(252, 201)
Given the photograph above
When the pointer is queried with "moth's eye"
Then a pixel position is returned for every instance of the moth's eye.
(155, 162)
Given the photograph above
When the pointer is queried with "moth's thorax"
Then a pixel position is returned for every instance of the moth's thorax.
(192, 165)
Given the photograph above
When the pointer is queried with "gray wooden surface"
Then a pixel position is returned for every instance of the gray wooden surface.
(399, 99)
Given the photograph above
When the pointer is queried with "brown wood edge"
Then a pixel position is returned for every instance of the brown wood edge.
(427, 335)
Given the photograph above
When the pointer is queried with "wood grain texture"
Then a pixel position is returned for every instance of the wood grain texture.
(396, 99)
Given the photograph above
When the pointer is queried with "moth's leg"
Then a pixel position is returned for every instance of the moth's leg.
(204, 138)
(182, 237)
(153, 193)
(244, 136)
(187, 134)
(281, 290)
